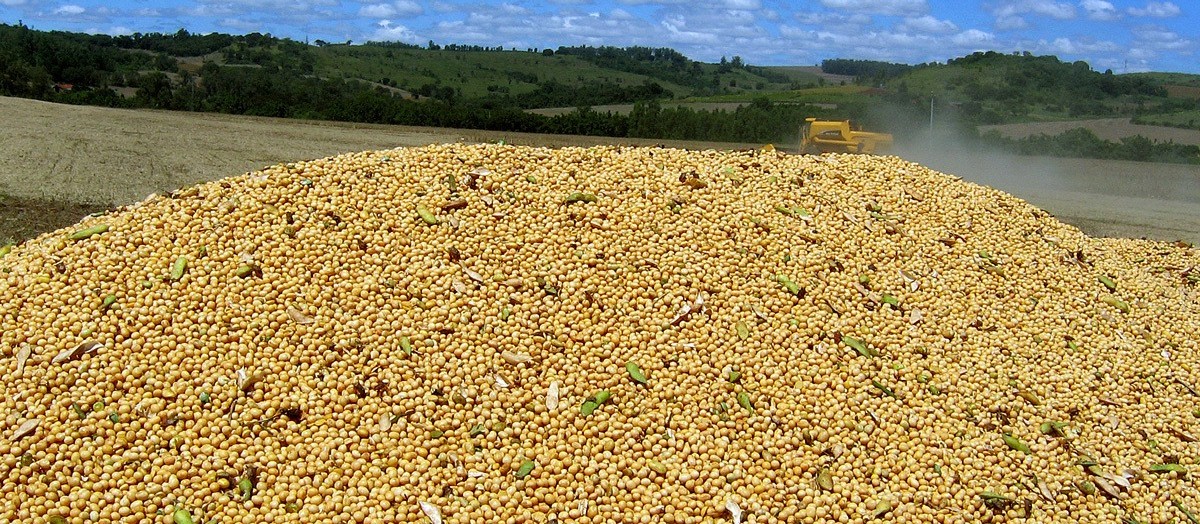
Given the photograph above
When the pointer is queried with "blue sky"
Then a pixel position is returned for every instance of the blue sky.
(1124, 35)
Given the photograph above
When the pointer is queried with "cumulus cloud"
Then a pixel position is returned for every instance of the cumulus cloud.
(70, 10)
(391, 9)
(1011, 15)
(880, 7)
(929, 24)
(387, 32)
(1156, 10)
(1099, 10)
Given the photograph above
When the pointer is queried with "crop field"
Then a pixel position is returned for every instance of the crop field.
(1113, 129)
(60, 163)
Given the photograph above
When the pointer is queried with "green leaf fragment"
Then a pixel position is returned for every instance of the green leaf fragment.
(1168, 468)
(108, 302)
(657, 467)
(825, 479)
(886, 390)
(1015, 443)
(735, 376)
(787, 283)
(1116, 302)
(437, 433)
(182, 516)
(594, 402)
(114, 417)
(505, 312)
(406, 345)
(891, 300)
(427, 215)
(635, 372)
(859, 346)
(56, 519)
(581, 197)
(603, 396)
(5, 249)
(995, 500)
(743, 399)
(245, 270)
(743, 331)
(246, 488)
(85, 233)
(476, 430)
(525, 469)
(1108, 282)
(1050, 427)
(1191, 518)
(179, 268)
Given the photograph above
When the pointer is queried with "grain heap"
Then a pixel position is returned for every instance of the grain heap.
(505, 334)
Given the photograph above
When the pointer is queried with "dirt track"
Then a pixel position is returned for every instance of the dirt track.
(58, 163)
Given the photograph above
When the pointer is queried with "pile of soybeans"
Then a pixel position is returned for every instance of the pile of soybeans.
(488, 333)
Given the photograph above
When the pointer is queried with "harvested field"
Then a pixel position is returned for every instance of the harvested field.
(1113, 129)
(59, 162)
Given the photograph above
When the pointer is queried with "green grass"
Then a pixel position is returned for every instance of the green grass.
(471, 71)
(479, 73)
(1179, 79)
(1184, 119)
(813, 95)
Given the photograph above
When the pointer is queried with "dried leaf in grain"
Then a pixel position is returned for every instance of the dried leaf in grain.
(515, 358)
(1043, 489)
(552, 396)
(23, 356)
(406, 345)
(76, 352)
(431, 511)
(473, 275)
(734, 510)
(1106, 487)
(26, 428)
(298, 316)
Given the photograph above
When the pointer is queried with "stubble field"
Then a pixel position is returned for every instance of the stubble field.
(59, 163)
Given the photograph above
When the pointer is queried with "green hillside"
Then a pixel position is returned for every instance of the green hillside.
(493, 88)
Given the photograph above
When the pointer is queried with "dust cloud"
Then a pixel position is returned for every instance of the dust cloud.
(1102, 197)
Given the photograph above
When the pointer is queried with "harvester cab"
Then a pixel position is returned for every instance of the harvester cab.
(837, 136)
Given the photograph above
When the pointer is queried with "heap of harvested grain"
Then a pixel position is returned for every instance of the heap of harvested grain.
(506, 334)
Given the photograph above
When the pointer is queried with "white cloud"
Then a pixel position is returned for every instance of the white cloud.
(1156, 10)
(973, 39)
(1099, 9)
(241, 25)
(70, 10)
(1156, 37)
(392, 9)
(880, 7)
(929, 24)
(1011, 15)
(387, 32)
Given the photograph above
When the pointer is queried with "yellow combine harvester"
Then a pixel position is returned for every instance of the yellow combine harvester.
(836, 136)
